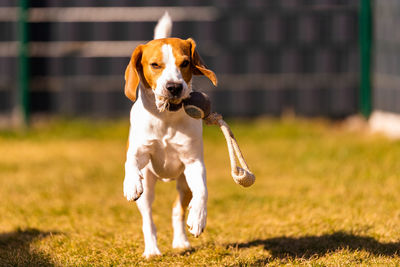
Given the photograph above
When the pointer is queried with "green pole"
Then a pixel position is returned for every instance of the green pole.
(23, 60)
(365, 34)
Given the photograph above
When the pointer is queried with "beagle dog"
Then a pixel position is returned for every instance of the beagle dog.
(164, 142)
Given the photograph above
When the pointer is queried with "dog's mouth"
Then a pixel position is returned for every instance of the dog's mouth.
(172, 103)
(175, 100)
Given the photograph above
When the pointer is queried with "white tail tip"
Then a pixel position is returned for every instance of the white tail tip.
(163, 27)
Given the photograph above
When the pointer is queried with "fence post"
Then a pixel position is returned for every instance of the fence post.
(23, 60)
(365, 35)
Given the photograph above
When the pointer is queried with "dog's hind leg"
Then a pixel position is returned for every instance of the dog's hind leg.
(178, 213)
(144, 204)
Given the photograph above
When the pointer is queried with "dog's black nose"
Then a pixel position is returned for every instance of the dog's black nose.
(174, 88)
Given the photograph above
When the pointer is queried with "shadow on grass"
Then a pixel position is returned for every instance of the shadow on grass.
(312, 246)
(15, 248)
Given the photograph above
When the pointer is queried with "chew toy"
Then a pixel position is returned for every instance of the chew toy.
(198, 106)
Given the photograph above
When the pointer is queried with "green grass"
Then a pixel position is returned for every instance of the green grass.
(323, 196)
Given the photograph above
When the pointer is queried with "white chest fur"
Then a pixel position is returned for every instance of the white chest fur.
(171, 139)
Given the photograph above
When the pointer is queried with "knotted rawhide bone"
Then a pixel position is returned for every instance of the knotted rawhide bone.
(198, 106)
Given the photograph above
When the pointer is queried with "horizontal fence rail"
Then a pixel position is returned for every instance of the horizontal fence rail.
(110, 14)
(269, 57)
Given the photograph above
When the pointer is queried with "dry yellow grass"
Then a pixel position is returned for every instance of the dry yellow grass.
(323, 196)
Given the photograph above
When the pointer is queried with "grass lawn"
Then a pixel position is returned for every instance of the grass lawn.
(323, 196)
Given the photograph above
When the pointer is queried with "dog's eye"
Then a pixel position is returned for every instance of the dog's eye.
(155, 66)
(185, 63)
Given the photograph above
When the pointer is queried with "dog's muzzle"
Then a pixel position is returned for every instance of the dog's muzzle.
(174, 100)
(175, 91)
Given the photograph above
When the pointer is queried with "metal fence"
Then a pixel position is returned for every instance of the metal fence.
(270, 56)
(387, 56)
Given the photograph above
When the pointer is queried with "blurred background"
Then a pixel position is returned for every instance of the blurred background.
(312, 58)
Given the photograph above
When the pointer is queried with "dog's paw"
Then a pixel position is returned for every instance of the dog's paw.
(151, 252)
(197, 218)
(180, 243)
(133, 189)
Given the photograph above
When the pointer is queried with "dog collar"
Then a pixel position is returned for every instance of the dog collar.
(174, 107)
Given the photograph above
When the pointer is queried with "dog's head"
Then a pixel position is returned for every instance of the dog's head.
(165, 66)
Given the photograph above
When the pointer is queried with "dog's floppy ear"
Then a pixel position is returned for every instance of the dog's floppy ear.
(198, 67)
(132, 76)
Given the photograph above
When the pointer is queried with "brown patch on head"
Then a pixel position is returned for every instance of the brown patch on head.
(198, 66)
(182, 55)
(153, 57)
(147, 64)
(140, 68)
(152, 62)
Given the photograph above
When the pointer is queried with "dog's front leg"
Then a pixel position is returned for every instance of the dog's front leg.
(135, 161)
(195, 173)
(144, 204)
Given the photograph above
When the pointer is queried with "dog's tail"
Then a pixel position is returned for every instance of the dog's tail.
(164, 27)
